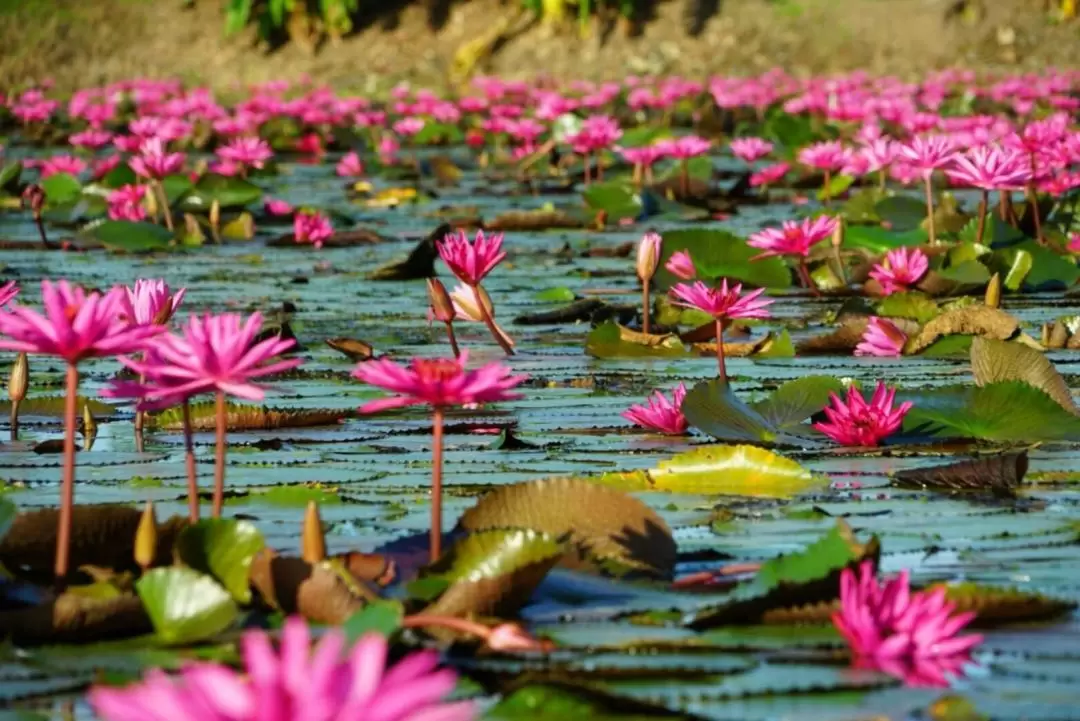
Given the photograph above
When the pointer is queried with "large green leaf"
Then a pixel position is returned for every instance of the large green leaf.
(733, 470)
(184, 605)
(176, 186)
(129, 236)
(880, 240)
(795, 401)
(1047, 270)
(712, 407)
(223, 548)
(1004, 411)
(903, 213)
(610, 340)
(788, 130)
(993, 361)
(912, 304)
(720, 254)
(61, 188)
(229, 192)
(619, 200)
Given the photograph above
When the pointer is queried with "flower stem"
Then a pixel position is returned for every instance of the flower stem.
(805, 277)
(499, 336)
(436, 482)
(164, 203)
(684, 178)
(67, 488)
(645, 306)
(930, 211)
(826, 191)
(219, 459)
(189, 462)
(450, 336)
(1033, 199)
(452, 623)
(15, 420)
(41, 231)
(140, 422)
(720, 350)
(982, 216)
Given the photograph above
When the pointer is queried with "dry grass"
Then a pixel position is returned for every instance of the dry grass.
(84, 42)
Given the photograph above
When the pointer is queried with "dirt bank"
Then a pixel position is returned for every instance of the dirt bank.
(81, 42)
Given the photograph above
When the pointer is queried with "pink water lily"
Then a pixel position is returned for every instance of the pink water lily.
(681, 265)
(127, 203)
(751, 149)
(471, 262)
(724, 304)
(881, 339)
(312, 227)
(901, 270)
(246, 152)
(855, 422)
(660, 414)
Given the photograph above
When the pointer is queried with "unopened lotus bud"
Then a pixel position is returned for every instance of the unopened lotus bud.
(89, 429)
(993, 291)
(441, 305)
(33, 197)
(151, 202)
(648, 255)
(146, 537)
(19, 380)
(838, 233)
(312, 540)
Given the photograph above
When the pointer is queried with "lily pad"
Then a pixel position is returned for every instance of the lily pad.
(184, 605)
(720, 254)
(129, 236)
(381, 617)
(611, 340)
(224, 549)
(993, 361)
(229, 192)
(741, 470)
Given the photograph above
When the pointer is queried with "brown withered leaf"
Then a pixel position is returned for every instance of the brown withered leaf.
(995, 605)
(707, 331)
(248, 418)
(1000, 474)
(369, 567)
(101, 535)
(533, 220)
(735, 350)
(978, 320)
(579, 310)
(321, 593)
(74, 618)
(809, 613)
(649, 340)
(842, 339)
(420, 263)
(354, 350)
(993, 361)
(605, 526)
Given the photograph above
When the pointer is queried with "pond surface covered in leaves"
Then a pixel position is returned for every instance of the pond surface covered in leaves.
(371, 474)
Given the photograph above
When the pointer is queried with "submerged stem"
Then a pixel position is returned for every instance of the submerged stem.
(219, 458)
(67, 488)
(189, 462)
(436, 482)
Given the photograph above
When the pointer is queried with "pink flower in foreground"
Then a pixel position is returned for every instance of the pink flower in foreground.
(8, 291)
(926, 153)
(154, 161)
(247, 152)
(898, 630)
(149, 301)
(312, 227)
(126, 203)
(751, 149)
(854, 422)
(660, 414)
(75, 325)
(722, 303)
(212, 353)
(829, 155)
(769, 175)
(990, 168)
(438, 382)
(274, 206)
(350, 166)
(298, 682)
(470, 262)
(792, 238)
(903, 268)
(881, 339)
(681, 265)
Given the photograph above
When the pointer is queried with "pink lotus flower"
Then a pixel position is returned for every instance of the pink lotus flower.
(769, 174)
(722, 303)
(855, 422)
(881, 339)
(927, 153)
(471, 262)
(247, 152)
(889, 627)
(792, 238)
(409, 127)
(126, 203)
(91, 139)
(829, 156)
(150, 302)
(154, 161)
(350, 166)
(312, 227)
(878, 154)
(903, 268)
(685, 147)
(299, 682)
(76, 325)
(751, 149)
(100, 167)
(437, 382)
(681, 265)
(213, 353)
(274, 206)
(8, 291)
(660, 414)
(990, 168)
(62, 164)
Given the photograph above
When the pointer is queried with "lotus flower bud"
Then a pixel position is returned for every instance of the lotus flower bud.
(33, 197)
(441, 304)
(89, 429)
(838, 233)
(993, 291)
(648, 256)
(146, 537)
(19, 380)
(215, 213)
(312, 540)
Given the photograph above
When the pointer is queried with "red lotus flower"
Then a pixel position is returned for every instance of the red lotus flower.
(660, 414)
(854, 422)
(722, 303)
(792, 238)
(902, 269)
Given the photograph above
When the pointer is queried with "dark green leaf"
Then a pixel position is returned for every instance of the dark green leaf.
(796, 400)
(9, 174)
(619, 200)
(381, 617)
(903, 213)
(230, 193)
(129, 236)
(720, 254)
(61, 188)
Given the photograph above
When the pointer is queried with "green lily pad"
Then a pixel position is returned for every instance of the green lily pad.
(903, 213)
(61, 188)
(224, 549)
(733, 470)
(911, 304)
(184, 605)
(609, 340)
(381, 617)
(619, 200)
(881, 240)
(560, 294)
(796, 400)
(714, 408)
(229, 192)
(1047, 270)
(720, 254)
(130, 236)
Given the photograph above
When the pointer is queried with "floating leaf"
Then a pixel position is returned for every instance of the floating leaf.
(712, 407)
(73, 618)
(1000, 474)
(130, 236)
(975, 319)
(609, 526)
(184, 605)
(53, 407)
(229, 192)
(912, 304)
(720, 254)
(1005, 411)
(534, 220)
(619, 200)
(322, 593)
(242, 417)
(880, 240)
(993, 361)
(901, 212)
(734, 470)
(381, 617)
(610, 340)
(995, 606)
(550, 702)
(796, 400)
(1049, 270)
(61, 188)
(559, 294)
(354, 350)
(224, 549)
(492, 572)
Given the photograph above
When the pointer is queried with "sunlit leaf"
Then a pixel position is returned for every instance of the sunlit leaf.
(993, 361)
(734, 470)
(224, 549)
(129, 236)
(720, 254)
(381, 617)
(610, 340)
(185, 605)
